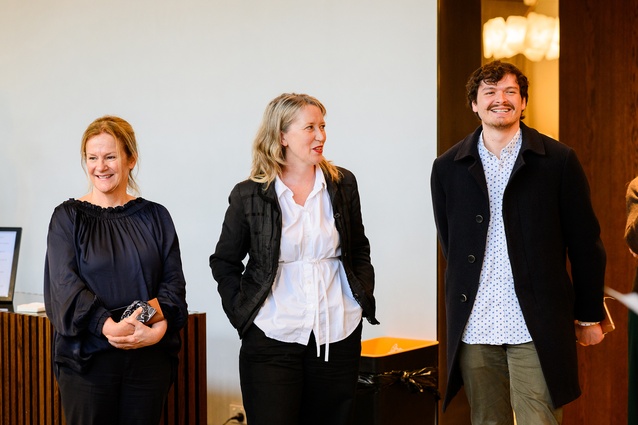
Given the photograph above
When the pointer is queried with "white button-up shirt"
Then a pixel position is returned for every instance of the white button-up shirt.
(496, 316)
(311, 292)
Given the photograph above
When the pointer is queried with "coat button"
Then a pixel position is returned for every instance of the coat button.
(479, 218)
(471, 258)
(463, 298)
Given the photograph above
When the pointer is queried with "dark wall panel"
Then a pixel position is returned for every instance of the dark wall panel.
(598, 118)
(459, 54)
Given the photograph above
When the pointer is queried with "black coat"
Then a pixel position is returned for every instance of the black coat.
(252, 226)
(548, 218)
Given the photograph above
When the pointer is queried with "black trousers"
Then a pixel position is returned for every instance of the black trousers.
(121, 387)
(287, 384)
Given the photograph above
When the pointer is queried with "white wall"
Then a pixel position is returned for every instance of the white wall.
(193, 77)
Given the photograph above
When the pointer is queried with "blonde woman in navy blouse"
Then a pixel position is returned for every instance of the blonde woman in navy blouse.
(105, 251)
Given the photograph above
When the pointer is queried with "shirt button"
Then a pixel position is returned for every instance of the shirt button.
(471, 258)
(479, 218)
(463, 298)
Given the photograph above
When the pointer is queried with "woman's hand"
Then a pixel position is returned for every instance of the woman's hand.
(131, 334)
(113, 328)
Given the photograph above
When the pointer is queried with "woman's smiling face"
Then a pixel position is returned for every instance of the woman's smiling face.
(303, 141)
(107, 165)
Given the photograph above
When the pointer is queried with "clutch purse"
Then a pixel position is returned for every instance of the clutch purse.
(151, 311)
(158, 316)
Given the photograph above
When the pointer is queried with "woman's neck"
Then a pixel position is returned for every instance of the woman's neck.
(300, 181)
(298, 175)
(107, 200)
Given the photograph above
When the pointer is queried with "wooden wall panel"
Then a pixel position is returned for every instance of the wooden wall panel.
(459, 54)
(598, 118)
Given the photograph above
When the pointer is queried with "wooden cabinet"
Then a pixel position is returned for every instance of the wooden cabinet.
(29, 394)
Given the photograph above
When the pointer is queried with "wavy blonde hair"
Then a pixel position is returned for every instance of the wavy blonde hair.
(269, 156)
(123, 133)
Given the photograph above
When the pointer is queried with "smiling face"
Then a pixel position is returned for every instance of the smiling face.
(499, 105)
(304, 139)
(107, 165)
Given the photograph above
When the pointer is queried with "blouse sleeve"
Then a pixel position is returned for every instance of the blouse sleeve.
(70, 305)
(171, 292)
(631, 227)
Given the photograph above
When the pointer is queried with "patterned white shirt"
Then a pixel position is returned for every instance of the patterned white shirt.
(496, 316)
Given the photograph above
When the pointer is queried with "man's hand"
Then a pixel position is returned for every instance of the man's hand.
(589, 335)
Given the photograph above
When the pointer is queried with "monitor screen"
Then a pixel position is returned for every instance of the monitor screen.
(9, 249)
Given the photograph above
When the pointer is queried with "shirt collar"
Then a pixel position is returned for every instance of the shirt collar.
(320, 183)
(512, 147)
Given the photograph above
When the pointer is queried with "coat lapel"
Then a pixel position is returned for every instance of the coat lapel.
(468, 153)
(531, 142)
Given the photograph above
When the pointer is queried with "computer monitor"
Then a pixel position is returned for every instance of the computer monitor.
(9, 250)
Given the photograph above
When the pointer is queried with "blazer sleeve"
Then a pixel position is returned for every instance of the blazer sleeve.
(360, 243)
(355, 253)
(226, 262)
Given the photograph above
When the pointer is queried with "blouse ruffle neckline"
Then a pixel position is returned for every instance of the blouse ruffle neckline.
(130, 207)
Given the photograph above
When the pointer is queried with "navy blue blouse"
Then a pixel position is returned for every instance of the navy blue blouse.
(101, 259)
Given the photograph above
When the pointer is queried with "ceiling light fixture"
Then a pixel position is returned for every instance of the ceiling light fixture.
(536, 36)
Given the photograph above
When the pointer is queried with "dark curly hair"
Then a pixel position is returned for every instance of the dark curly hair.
(492, 73)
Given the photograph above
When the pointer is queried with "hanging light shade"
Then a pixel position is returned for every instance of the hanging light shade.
(554, 47)
(540, 32)
(536, 36)
(515, 35)
(494, 33)
(504, 39)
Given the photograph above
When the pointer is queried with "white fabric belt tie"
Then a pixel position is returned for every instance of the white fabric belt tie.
(319, 289)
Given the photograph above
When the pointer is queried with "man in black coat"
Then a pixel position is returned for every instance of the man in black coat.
(511, 206)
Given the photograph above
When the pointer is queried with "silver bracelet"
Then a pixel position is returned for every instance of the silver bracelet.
(587, 323)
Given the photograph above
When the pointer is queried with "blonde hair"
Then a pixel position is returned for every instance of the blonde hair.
(123, 133)
(269, 156)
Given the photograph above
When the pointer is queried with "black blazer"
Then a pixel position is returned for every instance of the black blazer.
(252, 226)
